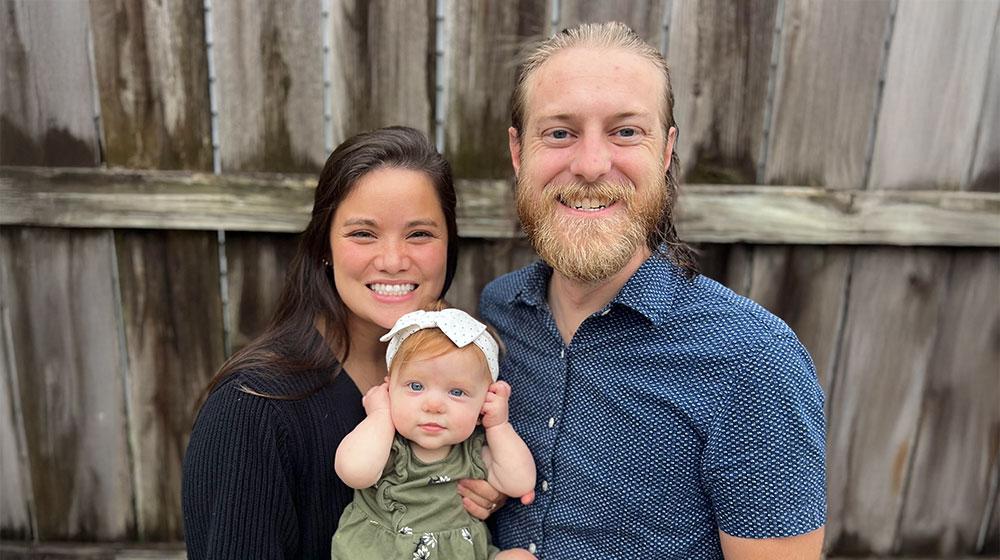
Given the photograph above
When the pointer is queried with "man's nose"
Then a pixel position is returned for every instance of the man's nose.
(393, 258)
(592, 159)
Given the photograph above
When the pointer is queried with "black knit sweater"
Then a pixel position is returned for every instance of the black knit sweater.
(258, 472)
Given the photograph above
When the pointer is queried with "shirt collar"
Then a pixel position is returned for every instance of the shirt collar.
(650, 291)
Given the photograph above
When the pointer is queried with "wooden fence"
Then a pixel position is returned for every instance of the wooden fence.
(841, 165)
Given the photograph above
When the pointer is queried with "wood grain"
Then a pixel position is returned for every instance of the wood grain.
(15, 470)
(269, 65)
(935, 81)
(948, 488)
(825, 88)
(71, 378)
(152, 77)
(719, 54)
(893, 321)
(985, 172)
(382, 65)
(47, 102)
(706, 213)
(483, 46)
(257, 265)
(482, 260)
(645, 17)
(172, 314)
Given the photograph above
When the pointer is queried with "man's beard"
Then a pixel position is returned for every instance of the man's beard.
(589, 250)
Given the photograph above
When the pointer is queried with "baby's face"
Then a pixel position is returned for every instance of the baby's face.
(435, 403)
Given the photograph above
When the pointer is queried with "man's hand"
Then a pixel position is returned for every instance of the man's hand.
(495, 407)
(377, 398)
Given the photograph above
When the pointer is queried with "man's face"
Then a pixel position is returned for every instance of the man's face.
(591, 160)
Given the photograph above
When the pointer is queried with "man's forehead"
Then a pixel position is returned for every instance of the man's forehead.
(585, 68)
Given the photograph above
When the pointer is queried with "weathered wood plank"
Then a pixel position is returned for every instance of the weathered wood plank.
(47, 102)
(382, 70)
(825, 88)
(934, 86)
(482, 260)
(719, 52)
(645, 17)
(893, 315)
(269, 65)
(172, 315)
(15, 474)
(707, 213)
(70, 366)
(152, 79)
(484, 42)
(948, 489)
(806, 287)
(257, 265)
(985, 173)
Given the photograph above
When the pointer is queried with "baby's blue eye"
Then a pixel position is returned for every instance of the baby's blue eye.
(456, 392)
(414, 386)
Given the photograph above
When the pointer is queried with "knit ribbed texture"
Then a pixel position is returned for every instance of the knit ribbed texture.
(258, 472)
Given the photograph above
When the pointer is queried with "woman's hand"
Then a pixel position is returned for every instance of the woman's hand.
(495, 407)
(377, 398)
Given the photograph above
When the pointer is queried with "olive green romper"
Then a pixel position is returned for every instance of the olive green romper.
(414, 511)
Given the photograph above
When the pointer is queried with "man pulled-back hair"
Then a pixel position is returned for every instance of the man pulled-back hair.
(668, 416)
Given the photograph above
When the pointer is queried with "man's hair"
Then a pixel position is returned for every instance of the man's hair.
(613, 35)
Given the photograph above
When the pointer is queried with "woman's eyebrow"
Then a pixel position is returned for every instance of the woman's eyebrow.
(423, 222)
(360, 222)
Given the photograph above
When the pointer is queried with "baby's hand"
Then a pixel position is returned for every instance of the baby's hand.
(495, 407)
(377, 398)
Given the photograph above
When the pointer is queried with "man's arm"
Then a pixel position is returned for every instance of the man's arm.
(362, 455)
(800, 547)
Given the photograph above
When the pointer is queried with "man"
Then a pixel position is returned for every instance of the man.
(668, 416)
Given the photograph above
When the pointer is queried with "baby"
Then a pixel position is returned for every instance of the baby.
(421, 437)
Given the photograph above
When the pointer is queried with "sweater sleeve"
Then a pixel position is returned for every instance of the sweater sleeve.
(235, 494)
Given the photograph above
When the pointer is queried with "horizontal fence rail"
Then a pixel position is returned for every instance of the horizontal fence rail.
(268, 202)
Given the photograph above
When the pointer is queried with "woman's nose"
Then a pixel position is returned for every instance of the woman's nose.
(393, 258)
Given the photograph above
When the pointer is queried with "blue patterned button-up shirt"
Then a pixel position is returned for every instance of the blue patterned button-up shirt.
(679, 409)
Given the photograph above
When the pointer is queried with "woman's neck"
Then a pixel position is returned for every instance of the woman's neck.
(365, 363)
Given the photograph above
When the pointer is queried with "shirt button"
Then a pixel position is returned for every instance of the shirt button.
(552, 422)
(532, 548)
(545, 486)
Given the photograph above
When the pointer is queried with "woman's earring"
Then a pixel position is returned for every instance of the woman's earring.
(326, 263)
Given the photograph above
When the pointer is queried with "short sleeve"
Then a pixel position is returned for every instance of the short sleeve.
(473, 450)
(764, 464)
(236, 499)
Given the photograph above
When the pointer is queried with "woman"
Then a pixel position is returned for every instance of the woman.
(258, 472)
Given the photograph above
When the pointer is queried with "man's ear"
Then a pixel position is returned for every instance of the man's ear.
(669, 148)
(514, 141)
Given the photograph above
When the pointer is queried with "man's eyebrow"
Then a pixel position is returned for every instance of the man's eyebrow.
(563, 117)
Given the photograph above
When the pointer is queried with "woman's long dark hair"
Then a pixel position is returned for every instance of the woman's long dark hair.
(292, 343)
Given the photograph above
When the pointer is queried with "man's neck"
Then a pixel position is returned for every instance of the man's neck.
(573, 301)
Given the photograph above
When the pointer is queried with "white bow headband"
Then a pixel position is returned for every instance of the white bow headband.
(456, 324)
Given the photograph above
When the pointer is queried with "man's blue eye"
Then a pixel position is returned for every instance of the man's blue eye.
(456, 392)
(560, 134)
(628, 132)
(414, 386)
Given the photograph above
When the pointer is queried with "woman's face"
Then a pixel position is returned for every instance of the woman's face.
(389, 246)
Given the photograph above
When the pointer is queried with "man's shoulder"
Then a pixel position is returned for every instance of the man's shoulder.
(726, 312)
(504, 288)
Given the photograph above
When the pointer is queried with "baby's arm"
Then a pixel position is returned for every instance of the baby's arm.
(363, 453)
(510, 467)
